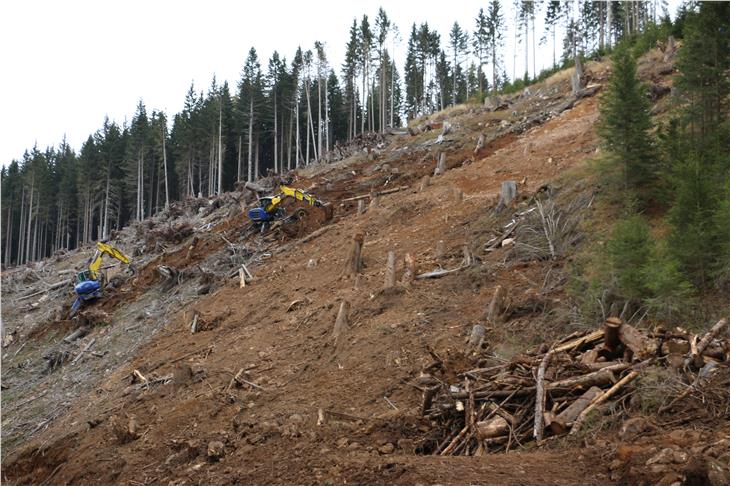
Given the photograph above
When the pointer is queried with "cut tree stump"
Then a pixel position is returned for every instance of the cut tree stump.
(390, 270)
(425, 181)
(440, 249)
(440, 165)
(360, 206)
(341, 321)
(496, 306)
(476, 338)
(480, 143)
(611, 339)
(411, 270)
(354, 261)
(507, 194)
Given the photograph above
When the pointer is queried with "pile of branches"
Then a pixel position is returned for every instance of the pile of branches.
(552, 391)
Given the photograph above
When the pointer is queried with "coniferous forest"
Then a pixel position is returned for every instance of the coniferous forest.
(292, 110)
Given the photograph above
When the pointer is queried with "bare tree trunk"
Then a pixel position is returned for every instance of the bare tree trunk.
(298, 148)
(326, 115)
(392, 93)
(164, 165)
(30, 219)
(276, 139)
(319, 114)
(21, 240)
(609, 22)
(311, 125)
(105, 226)
(238, 174)
(8, 236)
(256, 163)
(220, 146)
(250, 137)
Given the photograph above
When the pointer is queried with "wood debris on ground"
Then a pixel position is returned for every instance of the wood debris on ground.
(553, 390)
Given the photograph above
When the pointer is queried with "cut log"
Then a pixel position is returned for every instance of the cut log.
(440, 165)
(540, 396)
(600, 399)
(374, 193)
(494, 427)
(354, 261)
(559, 425)
(77, 334)
(591, 338)
(496, 305)
(611, 339)
(390, 270)
(410, 270)
(602, 377)
(258, 188)
(341, 321)
(640, 345)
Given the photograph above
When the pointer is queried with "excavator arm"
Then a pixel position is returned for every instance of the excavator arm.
(101, 250)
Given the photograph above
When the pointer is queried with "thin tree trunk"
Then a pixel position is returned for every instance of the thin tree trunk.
(21, 240)
(319, 113)
(256, 163)
(326, 115)
(250, 137)
(298, 147)
(238, 173)
(164, 163)
(220, 147)
(8, 236)
(105, 231)
(30, 220)
(276, 139)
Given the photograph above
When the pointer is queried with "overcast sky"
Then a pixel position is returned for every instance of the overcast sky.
(66, 64)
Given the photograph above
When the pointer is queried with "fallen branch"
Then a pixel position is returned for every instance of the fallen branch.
(86, 348)
(540, 397)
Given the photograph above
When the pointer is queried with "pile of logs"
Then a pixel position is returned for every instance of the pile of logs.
(552, 391)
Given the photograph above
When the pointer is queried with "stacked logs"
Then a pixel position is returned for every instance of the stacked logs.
(552, 391)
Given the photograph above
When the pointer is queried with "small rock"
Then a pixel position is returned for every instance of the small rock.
(387, 448)
(507, 242)
(342, 442)
(633, 427)
(216, 449)
(296, 419)
(354, 446)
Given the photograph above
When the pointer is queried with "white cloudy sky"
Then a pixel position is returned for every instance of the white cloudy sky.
(67, 64)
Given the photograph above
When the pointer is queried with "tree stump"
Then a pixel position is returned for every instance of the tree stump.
(507, 194)
(390, 270)
(480, 143)
(458, 195)
(354, 261)
(360, 206)
(476, 339)
(374, 202)
(411, 270)
(440, 165)
(496, 306)
(425, 181)
(611, 338)
(341, 321)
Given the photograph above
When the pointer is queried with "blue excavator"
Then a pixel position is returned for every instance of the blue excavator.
(270, 208)
(90, 283)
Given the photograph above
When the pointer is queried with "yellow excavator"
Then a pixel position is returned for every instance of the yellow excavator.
(270, 207)
(90, 283)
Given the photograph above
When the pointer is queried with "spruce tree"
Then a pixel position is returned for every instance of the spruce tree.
(625, 127)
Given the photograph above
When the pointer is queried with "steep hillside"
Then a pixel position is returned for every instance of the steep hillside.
(264, 391)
